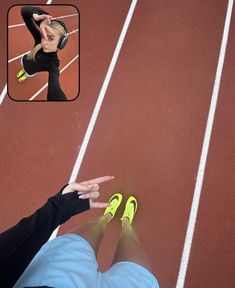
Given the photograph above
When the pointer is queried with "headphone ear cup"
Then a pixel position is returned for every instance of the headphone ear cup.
(62, 42)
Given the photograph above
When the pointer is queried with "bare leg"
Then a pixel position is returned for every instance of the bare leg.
(94, 232)
(128, 247)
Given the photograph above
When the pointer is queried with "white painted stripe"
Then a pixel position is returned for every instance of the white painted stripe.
(16, 25)
(44, 86)
(65, 16)
(54, 18)
(17, 57)
(204, 153)
(4, 91)
(99, 101)
(102, 94)
(3, 94)
(74, 31)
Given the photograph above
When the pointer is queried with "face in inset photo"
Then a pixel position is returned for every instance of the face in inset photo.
(43, 53)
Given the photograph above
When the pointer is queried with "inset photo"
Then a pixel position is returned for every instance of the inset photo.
(43, 53)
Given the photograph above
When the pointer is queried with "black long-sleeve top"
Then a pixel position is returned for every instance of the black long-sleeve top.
(43, 61)
(19, 244)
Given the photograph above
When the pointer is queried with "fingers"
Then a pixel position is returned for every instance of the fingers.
(76, 187)
(99, 204)
(48, 28)
(98, 180)
(80, 187)
(94, 187)
(45, 17)
(37, 17)
(89, 190)
(90, 195)
(41, 17)
(43, 30)
(48, 19)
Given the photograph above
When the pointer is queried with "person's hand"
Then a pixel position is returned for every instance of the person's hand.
(89, 190)
(44, 25)
(46, 17)
(44, 28)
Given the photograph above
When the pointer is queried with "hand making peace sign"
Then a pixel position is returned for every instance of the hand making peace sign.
(89, 189)
(44, 25)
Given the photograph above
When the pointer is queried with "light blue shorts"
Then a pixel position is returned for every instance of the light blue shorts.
(69, 262)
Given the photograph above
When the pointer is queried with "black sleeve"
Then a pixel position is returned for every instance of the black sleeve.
(19, 244)
(55, 93)
(32, 25)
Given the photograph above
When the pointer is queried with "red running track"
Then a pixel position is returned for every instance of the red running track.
(149, 134)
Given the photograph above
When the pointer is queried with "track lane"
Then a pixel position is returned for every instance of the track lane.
(157, 111)
(212, 257)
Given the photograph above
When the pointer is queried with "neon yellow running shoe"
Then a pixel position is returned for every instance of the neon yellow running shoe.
(115, 202)
(20, 73)
(130, 209)
(23, 78)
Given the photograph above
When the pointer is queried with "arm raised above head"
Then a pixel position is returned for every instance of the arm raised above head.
(32, 21)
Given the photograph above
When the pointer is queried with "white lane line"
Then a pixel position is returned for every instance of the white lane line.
(74, 31)
(16, 25)
(4, 91)
(99, 101)
(54, 18)
(102, 93)
(3, 94)
(204, 153)
(43, 87)
(65, 16)
(17, 57)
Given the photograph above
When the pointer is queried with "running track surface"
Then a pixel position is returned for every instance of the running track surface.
(149, 134)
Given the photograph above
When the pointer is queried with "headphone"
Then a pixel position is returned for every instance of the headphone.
(63, 38)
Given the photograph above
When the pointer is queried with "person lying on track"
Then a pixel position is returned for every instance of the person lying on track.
(49, 36)
(20, 243)
(71, 260)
